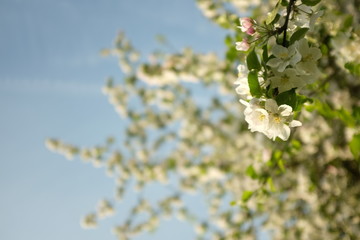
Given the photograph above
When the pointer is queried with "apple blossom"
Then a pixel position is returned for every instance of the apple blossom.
(269, 118)
(309, 56)
(280, 120)
(256, 116)
(286, 80)
(284, 57)
(243, 45)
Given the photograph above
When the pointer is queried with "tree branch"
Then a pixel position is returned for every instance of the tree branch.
(285, 26)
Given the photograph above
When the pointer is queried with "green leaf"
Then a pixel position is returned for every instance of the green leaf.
(250, 171)
(301, 99)
(353, 67)
(276, 155)
(288, 98)
(347, 23)
(281, 166)
(252, 61)
(329, 112)
(265, 54)
(231, 54)
(355, 146)
(284, 3)
(299, 34)
(311, 2)
(229, 41)
(272, 15)
(254, 85)
(295, 144)
(271, 184)
(246, 195)
(356, 114)
(346, 117)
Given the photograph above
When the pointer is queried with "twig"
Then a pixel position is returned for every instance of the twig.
(285, 26)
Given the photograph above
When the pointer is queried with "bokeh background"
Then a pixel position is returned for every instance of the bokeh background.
(51, 74)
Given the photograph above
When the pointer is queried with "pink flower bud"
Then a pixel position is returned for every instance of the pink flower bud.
(243, 45)
(247, 25)
(250, 31)
(246, 22)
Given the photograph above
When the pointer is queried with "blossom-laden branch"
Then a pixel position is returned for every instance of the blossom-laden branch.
(308, 186)
(290, 67)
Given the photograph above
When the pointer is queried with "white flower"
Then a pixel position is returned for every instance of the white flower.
(243, 89)
(314, 17)
(286, 80)
(89, 221)
(105, 209)
(301, 18)
(284, 57)
(309, 56)
(256, 116)
(272, 120)
(243, 45)
(280, 120)
(243, 71)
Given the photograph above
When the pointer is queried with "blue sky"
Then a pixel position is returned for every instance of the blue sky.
(51, 74)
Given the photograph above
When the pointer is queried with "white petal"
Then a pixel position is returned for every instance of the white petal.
(242, 68)
(245, 103)
(316, 53)
(280, 51)
(274, 62)
(291, 72)
(284, 132)
(295, 123)
(255, 102)
(271, 105)
(285, 110)
(282, 66)
(295, 59)
(303, 46)
(292, 48)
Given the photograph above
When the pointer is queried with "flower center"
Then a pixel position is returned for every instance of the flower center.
(308, 58)
(261, 117)
(285, 79)
(284, 55)
(277, 118)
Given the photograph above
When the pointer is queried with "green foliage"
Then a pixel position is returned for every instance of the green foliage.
(310, 2)
(246, 196)
(299, 34)
(252, 61)
(355, 146)
(348, 22)
(272, 16)
(353, 67)
(254, 85)
(265, 54)
(250, 171)
(342, 114)
(288, 97)
(301, 100)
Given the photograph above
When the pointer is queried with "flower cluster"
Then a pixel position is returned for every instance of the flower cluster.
(248, 26)
(269, 118)
(270, 82)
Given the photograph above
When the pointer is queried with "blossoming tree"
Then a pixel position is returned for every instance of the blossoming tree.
(279, 135)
